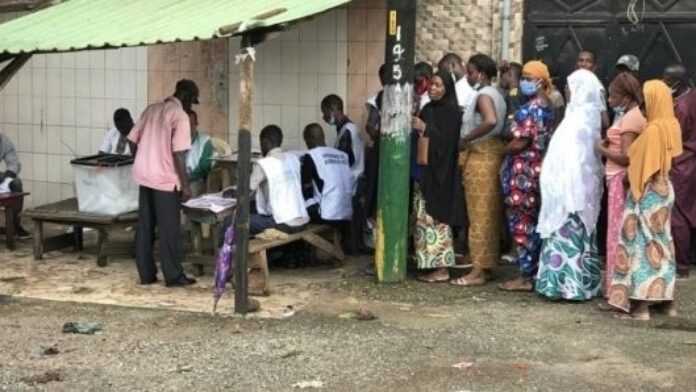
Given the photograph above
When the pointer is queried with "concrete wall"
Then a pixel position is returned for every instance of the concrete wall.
(205, 62)
(294, 71)
(60, 104)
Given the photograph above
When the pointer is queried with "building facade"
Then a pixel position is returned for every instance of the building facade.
(59, 106)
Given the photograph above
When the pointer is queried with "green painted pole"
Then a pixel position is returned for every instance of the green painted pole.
(391, 248)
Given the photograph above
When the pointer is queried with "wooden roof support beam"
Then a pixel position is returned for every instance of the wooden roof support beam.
(24, 5)
(11, 69)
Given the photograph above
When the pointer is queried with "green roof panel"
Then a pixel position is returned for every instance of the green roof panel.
(88, 24)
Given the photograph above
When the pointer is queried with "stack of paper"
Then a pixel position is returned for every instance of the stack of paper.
(5, 185)
(213, 202)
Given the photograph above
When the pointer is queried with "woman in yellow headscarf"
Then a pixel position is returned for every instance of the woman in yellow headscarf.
(645, 267)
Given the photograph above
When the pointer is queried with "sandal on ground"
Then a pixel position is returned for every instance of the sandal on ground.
(605, 307)
(433, 277)
(633, 316)
(463, 282)
(519, 285)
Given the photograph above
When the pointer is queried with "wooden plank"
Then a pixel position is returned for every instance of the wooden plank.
(66, 211)
(11, 69)
(102, 237)
(319, 242)
(10, 227)
(24, 5)
(257, 244)
(38, 239)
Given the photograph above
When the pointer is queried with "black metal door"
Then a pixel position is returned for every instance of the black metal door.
(556, 30)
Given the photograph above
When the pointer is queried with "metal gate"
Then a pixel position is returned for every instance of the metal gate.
(556, 30)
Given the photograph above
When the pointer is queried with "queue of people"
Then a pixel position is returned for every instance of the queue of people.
(545, 159)
(519, 160)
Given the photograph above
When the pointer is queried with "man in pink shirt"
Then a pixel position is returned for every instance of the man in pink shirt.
(162, 137)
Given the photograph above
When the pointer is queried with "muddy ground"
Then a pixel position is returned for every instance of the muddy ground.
(499, 342)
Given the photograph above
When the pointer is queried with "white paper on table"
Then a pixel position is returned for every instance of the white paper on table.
(212, 202)
(5, 185)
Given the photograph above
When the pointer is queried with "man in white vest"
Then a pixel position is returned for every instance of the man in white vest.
(327, 182)
(276, 181)
(350, 142)
(348, 139)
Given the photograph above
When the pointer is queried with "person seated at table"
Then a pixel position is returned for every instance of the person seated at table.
(276, 181)
(327, 182)
(199, 159)
(116, 139)
(8, 155)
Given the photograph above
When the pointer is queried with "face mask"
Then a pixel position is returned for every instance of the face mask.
(422, 86)
(675, 88)
(332, 120)
(619, 110)
(528, 87)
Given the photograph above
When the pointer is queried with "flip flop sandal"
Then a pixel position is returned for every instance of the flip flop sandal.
(515, 289)
(605, 307)
(425, 279)
(462, 282)
(631, 317)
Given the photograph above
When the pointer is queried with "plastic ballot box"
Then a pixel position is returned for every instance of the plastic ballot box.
(105, 184)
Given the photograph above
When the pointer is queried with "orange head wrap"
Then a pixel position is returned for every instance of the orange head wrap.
(540, 71)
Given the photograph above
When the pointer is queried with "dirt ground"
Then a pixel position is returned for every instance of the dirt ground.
(425, 337)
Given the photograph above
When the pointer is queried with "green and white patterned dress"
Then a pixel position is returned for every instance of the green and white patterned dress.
(569, 266)
(433, 240)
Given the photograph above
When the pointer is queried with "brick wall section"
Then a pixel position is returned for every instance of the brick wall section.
(465, 27)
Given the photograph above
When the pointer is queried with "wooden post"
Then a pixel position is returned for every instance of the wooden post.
(11, 69)
(246, 101)
(391, 248)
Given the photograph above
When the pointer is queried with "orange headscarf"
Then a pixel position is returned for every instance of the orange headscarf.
(540, 71)
(652, 152)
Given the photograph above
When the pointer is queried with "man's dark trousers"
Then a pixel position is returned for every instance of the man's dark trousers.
(163, 210)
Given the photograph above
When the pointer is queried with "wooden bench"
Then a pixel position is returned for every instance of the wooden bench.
(66, 213)
(258, 260)
(11, 202)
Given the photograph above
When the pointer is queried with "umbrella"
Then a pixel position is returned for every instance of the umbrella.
(223, 264)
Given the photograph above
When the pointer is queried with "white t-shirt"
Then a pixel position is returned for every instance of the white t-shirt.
(110, 143)
(466, 97)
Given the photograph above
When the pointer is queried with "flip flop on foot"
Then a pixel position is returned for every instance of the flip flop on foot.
(519, 284)
(434, 277)
(642, 316)
(605, 307)
(464, 282)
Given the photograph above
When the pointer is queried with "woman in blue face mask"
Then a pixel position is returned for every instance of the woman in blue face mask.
(626, 97)
(531, 132)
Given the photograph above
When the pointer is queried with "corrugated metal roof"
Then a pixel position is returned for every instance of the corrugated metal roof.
(88, 24)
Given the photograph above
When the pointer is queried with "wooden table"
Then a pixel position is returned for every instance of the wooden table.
(200, 217)
(11, 202)
(65, 212)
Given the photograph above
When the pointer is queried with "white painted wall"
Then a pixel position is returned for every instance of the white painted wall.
(293, 73)
(58, 104)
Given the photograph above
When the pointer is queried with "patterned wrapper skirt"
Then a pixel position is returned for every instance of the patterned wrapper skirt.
(617, 201)
(645, 267)
(434, 248)
(480, 164)
(569, 266)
